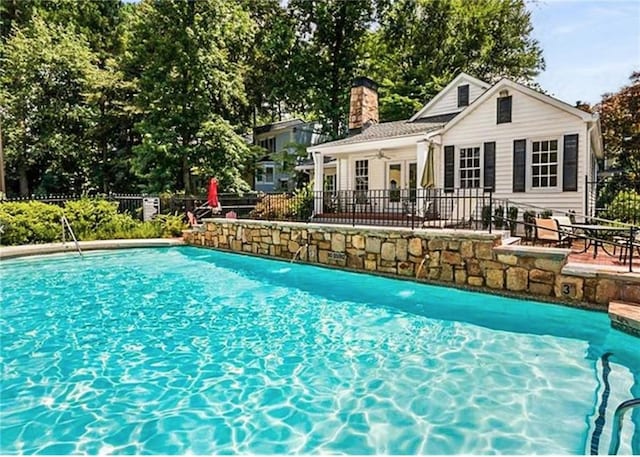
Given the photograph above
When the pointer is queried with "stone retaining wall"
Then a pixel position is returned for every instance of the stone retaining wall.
(460, 257)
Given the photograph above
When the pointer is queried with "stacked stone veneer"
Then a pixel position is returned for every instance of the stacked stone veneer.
(463, 258)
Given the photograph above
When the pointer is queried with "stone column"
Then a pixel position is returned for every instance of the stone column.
(318, 182)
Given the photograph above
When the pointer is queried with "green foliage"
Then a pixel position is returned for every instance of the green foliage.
(302, 202)
(529, 218)
(37, 222)
(423, 44)
(190, 61)
(625, 207)
(273, 207)
(29, 222)
(513, 220)
(498, 217)
(486, 217)
(45, 73)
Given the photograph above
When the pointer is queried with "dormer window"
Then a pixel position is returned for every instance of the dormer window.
(504, 108)
(463, 96)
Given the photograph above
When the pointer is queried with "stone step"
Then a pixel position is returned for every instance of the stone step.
(625, 316)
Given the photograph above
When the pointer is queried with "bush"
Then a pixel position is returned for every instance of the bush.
(625, 207)
(498, 217)
(513, 220)
(37, 222)
(30, 222)
(529, 217)
(273, 207)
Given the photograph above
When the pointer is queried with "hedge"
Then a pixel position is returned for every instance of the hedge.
(36, 222)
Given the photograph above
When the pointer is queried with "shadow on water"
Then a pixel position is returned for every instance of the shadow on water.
(438, 302)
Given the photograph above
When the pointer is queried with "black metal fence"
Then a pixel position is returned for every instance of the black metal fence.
(435, 208)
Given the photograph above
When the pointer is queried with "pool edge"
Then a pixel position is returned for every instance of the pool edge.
(12, 252)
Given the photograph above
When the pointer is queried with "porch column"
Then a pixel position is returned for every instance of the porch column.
(318, 182)
(421, 159)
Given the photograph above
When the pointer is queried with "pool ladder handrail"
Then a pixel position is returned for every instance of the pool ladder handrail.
(67, 226)
(616, 427)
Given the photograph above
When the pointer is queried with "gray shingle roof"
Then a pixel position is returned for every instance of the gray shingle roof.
(387, 130)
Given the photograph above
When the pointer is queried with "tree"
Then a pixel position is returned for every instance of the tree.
(620, 123)
(331, 31)
(46, 71)
(620, 120)
(422, 44)
(190, 58)
(276, 83)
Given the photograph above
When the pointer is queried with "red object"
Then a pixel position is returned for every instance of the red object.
(212, 197)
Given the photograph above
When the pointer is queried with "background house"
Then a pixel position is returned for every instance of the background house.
(518, 143)
(285, 138)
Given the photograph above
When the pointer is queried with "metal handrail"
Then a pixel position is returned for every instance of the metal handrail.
(617, 423)
(65, 222)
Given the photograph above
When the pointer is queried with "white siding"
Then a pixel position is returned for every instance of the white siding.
(377, 167)
(448, 102)
(531, 119)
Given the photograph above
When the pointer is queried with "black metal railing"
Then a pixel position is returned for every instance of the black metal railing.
(414, 208)
(613, 237)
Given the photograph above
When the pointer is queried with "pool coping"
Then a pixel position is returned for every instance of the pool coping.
(11, 252)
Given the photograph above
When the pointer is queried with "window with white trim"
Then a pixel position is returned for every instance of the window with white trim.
(264, 174)
(469, 170)
(362, 175)
(330, 184)
(544, 164)
(269, 144)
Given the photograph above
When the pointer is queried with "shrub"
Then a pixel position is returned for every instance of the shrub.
(302, 202)
(529, 217)
(486, 217)
(513, 220)
(30, 222)
(273, 207)
(498, 217)
(37, 222)
(625, 207)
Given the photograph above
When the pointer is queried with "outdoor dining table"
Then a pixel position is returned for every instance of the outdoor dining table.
(595, 233)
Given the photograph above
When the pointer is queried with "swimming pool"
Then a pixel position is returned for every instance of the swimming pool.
(188, 350)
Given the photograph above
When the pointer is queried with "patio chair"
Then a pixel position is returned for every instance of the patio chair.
(548, 232)
(566, 227)
(623, 243)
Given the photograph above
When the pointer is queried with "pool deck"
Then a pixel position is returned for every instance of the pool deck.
(9, 252)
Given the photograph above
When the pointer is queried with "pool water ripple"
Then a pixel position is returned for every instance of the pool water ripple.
(184, 350)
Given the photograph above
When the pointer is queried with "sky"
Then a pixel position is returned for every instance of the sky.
(590, 46)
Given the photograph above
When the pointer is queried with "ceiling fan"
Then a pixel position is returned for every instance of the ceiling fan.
(379, 155)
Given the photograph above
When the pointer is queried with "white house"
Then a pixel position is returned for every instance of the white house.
(518, 143)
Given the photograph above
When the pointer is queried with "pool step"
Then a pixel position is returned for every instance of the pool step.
(625, 316)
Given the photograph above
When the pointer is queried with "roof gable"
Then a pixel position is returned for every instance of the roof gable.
(507, 83)
(441, 103)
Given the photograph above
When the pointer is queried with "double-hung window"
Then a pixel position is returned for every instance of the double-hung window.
(269, 144)
(362, 175)
(469, 168)
(544, 164)
(264, 174)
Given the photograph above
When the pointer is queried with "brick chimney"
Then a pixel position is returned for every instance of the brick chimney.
(363, 107)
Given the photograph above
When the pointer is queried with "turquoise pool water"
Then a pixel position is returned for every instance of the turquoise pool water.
(186, 350)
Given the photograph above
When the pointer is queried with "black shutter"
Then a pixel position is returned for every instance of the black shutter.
(490, 166)
(570, 163)
(463, 95)
(519, 165)
(449, 168)
(504, 110)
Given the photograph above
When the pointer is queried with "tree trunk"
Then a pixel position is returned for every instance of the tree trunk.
(24, 182)
(186, 176)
